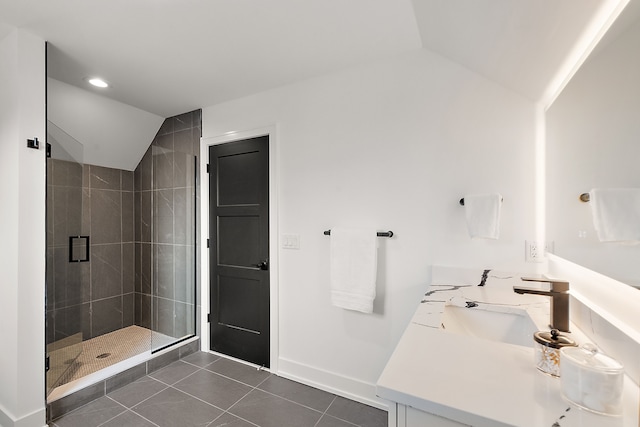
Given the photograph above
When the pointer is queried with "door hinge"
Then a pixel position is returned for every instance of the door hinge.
(208, 168)
(207, 243)
(209, 318)
(47, 362)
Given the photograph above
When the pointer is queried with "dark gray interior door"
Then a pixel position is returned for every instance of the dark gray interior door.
(239, 249)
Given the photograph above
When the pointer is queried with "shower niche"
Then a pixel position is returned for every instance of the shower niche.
(121, 252)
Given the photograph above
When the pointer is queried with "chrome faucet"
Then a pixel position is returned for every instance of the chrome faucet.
(559, 293)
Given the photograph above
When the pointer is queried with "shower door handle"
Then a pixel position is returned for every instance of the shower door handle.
(263, 265)
(78, 248)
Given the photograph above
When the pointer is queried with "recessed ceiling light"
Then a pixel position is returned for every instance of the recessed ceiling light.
(98, 82)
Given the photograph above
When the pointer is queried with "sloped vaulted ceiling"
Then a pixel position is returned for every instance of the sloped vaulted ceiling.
(171, 56)
(112, 134)
(520, 44)
(166, 57)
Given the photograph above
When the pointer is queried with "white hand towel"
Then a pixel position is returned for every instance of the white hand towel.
(616, 214)
(483, 215)
(354, 257)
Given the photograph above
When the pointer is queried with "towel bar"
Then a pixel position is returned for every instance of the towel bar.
(379, 233)
(585, 197)
(462, 201)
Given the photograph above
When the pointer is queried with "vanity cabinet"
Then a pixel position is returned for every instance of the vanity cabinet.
(406, 416)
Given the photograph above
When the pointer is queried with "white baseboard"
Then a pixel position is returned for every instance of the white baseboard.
(331, 382)
(5, 420)
(34, 419)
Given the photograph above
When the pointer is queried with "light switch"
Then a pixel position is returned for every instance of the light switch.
(291, 241)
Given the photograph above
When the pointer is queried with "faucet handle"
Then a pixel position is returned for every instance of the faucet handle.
(557, 285)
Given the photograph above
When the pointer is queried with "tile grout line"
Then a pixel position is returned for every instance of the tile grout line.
(146, 419)
(87, 404)
(181, 379)
(193, 364)
(233, 415)
(335, 396)
(134, 412)
(253, 388)
(288, 400)
(292, 401)
(224, 411)
(325, 411)
(275, 395)
(154, 394)
(298, 403)
(142, 401)
(196, 397)
(115, 416)
(231, 378)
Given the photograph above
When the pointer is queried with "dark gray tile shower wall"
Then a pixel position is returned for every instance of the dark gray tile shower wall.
(165, 185)
(96, 296)
(64, 210)
(109, 197)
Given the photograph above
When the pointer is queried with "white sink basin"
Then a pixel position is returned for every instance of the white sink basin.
(513, 328)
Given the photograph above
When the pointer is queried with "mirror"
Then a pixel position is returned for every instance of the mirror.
(593, 141)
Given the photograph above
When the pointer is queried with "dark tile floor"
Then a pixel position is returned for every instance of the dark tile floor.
(205, 390)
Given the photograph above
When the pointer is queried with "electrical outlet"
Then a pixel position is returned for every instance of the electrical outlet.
(531, 251)
(535, 252)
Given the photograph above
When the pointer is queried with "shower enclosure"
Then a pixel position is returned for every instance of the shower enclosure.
(120, 252)
(64, 279)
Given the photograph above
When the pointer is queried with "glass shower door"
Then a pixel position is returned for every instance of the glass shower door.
(67, 251)
(173, 244)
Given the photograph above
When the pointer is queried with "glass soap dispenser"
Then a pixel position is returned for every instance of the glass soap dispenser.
(547, 350)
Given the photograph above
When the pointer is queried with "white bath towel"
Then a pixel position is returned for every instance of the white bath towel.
(483, 215)
(616, 214)
(354, 258)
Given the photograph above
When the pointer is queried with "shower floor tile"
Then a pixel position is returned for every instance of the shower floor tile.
(108, 349)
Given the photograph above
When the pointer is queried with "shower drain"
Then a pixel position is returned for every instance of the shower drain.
(103, 355)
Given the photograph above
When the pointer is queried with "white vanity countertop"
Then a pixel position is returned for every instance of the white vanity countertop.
(476, 381)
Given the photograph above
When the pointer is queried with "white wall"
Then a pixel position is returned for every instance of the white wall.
(393, 145)
(22, 227)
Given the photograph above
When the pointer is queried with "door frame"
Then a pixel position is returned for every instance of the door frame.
(205, 269)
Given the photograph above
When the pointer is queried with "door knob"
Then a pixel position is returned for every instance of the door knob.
(263, 265)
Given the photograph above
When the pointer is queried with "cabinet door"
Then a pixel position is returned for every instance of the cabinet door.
(416, 418)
